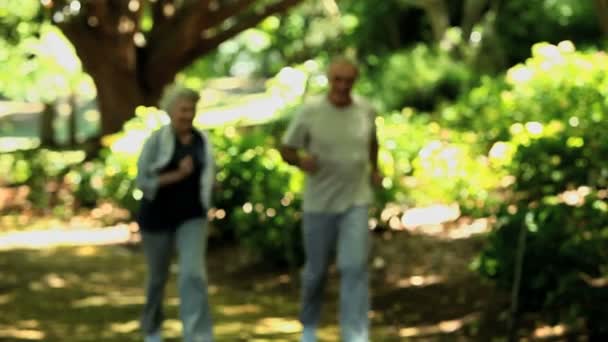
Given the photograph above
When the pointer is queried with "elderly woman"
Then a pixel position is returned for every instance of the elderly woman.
(175, 174)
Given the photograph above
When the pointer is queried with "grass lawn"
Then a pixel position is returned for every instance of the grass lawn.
(421, 290)
(421, 285)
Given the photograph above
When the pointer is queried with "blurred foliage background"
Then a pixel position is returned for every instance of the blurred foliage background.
(496, 106)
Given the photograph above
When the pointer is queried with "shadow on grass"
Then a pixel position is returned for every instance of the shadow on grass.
(422, 290)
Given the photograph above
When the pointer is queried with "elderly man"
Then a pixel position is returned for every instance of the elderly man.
(333, 140)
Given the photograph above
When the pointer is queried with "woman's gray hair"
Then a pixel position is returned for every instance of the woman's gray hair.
(175, 92)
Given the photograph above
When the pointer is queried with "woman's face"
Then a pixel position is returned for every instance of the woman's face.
(182, 114)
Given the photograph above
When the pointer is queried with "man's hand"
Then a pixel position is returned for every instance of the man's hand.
(376, 178)
(186, 166)
(308, 164)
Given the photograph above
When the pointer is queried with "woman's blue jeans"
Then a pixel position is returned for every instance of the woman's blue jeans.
(190, 242)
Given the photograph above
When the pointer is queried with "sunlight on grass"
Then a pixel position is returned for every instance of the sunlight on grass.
(112, 299)
(125, 328)
(23, 330)
(65, 237)
(172, 328)
(420, 281)
(228, 328)
(436, 214)
(329, 333)
(54, 281)
(235, 310)
(21, 334)
(548, 331)
(6, 298)
(443, 327)
(273, 325)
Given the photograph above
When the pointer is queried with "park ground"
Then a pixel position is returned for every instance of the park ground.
(62, 282)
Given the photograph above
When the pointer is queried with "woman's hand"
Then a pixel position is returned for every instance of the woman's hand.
(186, 166)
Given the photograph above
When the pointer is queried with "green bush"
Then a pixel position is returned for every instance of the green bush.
(551, 116)
(426, 164)
(421, 77)
(42, 170)
(556, 83)
(259, 194)
(565, 257)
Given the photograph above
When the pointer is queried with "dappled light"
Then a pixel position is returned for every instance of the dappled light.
(256, 110)
(490, 127)
(432, 215)
(547, 331)
(420, 281)
(14, 143)
(22, 329)
(237, 310)
(111, 299)
(443, 327)
(274, 325)
(21, 334)
(125, 328)
(229, 328)
(54, 237)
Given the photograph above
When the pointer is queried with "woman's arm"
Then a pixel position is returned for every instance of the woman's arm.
(186, 166)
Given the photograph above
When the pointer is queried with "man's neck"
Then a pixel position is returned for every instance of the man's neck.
(339, 103)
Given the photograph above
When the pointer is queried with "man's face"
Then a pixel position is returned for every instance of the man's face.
(182, 114)
(342, 77)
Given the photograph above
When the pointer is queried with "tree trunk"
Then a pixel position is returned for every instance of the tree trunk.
(602, 15)
(472, 14)
(129, 66)
(438, 15)
(47, 129)
(119, 76)
(72, 121)
(118, 94)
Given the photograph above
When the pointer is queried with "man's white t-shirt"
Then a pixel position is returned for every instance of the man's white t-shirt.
(340, 140)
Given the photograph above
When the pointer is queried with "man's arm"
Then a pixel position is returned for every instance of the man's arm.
(373, 152)
(292, 156)
(376, 176)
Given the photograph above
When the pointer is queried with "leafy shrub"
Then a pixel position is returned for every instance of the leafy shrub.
(425, 164)
(259, 194)
(420, 78)
(549, 21)
(565, 256)
(551, 112)
(556, 83)
(40, 169)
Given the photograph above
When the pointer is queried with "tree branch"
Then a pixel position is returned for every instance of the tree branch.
(437, 11)
(472, 14)
(602, 14)
(166, 58)
(226, 12)
(243, 24)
